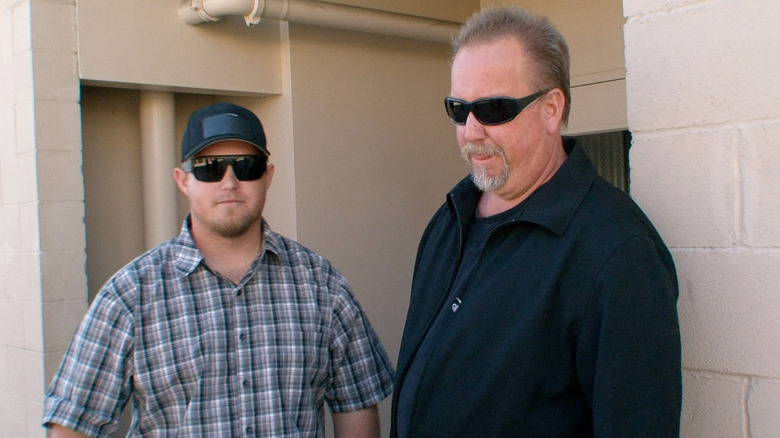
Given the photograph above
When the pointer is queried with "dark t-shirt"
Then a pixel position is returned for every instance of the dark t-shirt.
(478, 232)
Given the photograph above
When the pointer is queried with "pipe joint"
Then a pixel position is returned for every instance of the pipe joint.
(253, 17)
(204, 11)
(193, 12)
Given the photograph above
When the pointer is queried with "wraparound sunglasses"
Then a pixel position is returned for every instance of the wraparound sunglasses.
(213, 168)
(490, 111)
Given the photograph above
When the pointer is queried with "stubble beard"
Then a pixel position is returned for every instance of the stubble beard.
(479, 175)
(231, 230)
(233, 225)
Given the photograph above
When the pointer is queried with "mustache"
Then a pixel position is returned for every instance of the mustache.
(470, 149)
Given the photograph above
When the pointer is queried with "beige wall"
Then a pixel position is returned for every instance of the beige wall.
(449, 10)
(357, 180)
(702, 105)
(41, 201)
(143, 43)
(374, 155)
(594, 32)
(112, 171)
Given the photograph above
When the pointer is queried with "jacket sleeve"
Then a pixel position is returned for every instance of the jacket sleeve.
(628, 352)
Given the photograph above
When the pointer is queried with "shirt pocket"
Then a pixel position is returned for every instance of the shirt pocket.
(169, 372)
(299, 359)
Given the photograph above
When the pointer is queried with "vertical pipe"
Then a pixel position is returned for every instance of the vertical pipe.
(158, 158)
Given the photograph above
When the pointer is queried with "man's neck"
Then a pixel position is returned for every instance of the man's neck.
(230, 257)
(503, 199)
(491, 204)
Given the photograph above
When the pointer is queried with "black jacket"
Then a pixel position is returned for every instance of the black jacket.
(568, 327)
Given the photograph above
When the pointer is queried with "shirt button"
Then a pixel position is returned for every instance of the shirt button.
(238, 293)
(242, 336)
(245, 384)
(249, 430)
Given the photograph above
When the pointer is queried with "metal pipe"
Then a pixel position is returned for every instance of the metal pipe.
(321, 13)
(156, 112)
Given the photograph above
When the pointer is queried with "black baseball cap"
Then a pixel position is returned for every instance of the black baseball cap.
(221, 121)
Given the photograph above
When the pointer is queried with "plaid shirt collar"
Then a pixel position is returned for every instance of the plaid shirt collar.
(188, 256)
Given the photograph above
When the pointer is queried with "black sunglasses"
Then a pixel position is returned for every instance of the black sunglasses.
(490, 111)
(213, 168)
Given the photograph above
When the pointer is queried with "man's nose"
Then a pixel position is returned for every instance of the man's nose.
(473, 130)
(229, 178)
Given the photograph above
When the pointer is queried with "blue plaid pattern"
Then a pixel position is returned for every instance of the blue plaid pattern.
(200, 356)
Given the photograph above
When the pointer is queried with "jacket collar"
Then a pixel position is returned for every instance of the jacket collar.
(551, 206)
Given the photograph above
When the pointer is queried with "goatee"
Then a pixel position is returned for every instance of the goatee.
(479, 176)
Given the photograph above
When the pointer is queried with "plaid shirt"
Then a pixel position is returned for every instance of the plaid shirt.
(201, 356)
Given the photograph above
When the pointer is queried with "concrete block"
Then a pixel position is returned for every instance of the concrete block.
(6, 52)
(729, 307)
(6, 82)
(29, 237)
(5, 71)
(26, 383)
(669, 54)
(763, 408)
(18, 178)
(9, 228)
(60, 320)
(5, 257)
(33, 327)
(11, 324)
(19, 417)
(58, 125)
(59, 176)
(56, 76)
(6, 34)
(63, 276)
(6, 99)
(7, 123)
(712, 406)
(21, 19)
(685, 183)
(22, 76)
(760, 154)
(4, 370)
(54, 27)
(12, 416)
(32, 413)
(24, 113)
(59, 216)
(20, 272)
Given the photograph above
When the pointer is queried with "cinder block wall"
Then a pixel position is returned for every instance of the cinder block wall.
(41, 209)
(702, 90)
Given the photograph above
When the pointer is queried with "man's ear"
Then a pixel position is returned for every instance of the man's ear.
(554, 104)
(182, 180)
(269, 175)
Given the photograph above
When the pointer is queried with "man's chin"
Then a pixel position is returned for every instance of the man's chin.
(231, 229)
(487, 183)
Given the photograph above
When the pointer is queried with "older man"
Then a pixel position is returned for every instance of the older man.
(543, 301)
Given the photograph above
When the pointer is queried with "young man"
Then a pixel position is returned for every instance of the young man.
(228, 329)
(543, 300)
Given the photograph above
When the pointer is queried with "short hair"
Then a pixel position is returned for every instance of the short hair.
(541, 40)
